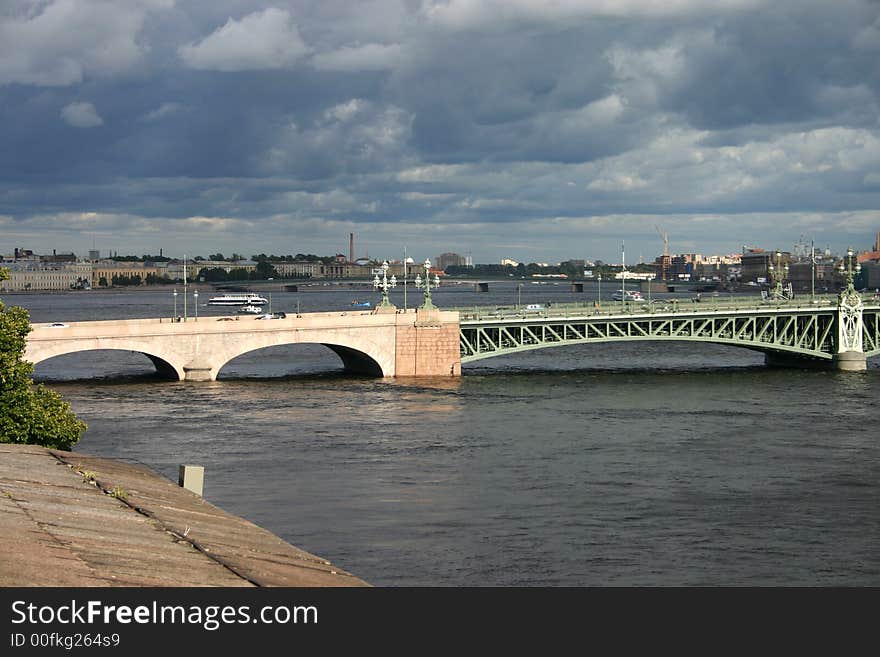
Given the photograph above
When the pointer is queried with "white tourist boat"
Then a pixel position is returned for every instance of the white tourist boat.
(237, 299)
(628, 295)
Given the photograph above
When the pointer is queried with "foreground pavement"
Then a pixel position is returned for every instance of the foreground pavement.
(69, 519)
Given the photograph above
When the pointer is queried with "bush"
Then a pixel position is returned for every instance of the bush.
(29, 414)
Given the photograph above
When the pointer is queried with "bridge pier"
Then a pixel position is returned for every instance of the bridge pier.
(850, 361)
(847, 361)
(198, 369)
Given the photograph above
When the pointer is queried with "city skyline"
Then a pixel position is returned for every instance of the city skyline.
(531, 130)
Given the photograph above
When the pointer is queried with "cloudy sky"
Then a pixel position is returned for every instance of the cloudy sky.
(538, 130)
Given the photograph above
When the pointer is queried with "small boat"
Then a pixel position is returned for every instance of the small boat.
(237, 299)
(361, 304)
(628, 295)
(250, 309)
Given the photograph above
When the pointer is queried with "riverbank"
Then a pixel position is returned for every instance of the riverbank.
(71, 519)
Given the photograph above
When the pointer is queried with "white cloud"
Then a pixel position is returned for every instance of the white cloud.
(468, 13)
(61, 42)
(344, 111)
(368, 57)
(267, 39)
(165, 109)
(81, 115)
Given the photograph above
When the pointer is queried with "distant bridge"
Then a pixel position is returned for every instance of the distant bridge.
(839, 333)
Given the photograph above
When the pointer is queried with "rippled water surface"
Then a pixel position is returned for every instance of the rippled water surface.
(616, 464)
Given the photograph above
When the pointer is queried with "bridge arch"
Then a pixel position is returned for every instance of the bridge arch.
(765, 349)
(806, 337)
(352, 359)
(364, 353)
(166, 368)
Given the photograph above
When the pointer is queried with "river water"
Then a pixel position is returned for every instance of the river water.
(617, 464)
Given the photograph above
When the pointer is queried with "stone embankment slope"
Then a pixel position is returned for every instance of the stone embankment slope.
(69, 519)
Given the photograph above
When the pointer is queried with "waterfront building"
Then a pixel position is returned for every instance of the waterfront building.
(34, 275)
(445, 260)
(801, 274)
(300, 269)
(104, 271)
(756, 264)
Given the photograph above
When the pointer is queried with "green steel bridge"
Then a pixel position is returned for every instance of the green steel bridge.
(838, 332)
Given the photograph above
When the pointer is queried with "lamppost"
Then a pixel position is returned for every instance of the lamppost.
(196, 302)
(518, 295)
(599, 280)
(812, 273)
(384, 284)
(427, 284)
(184, 287)
(175, 305)
(849, 271)
(778, 273)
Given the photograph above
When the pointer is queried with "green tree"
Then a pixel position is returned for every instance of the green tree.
(29, 414)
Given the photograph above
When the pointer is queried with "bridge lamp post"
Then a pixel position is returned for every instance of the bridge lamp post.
(849, 271)
(384, 284)
(427, 284)
(778, 273)
(196, 302)
(599, 280)
(518, 295)
(175, 305)
(184, 287)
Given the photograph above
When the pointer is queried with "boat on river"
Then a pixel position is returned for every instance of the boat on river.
(628, 295)
(250, 309)
(237, 299)
(361, 304)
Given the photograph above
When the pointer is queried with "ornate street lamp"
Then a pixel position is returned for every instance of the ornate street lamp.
(384, 284)
(196, 297)
(778, 273)
(427, 284)
(175, 305)
(599, 279)
(849, 271)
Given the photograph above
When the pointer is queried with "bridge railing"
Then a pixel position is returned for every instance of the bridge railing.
(663, 306)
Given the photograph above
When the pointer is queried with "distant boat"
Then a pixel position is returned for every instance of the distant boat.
(250, 309)
(237, 299)
(361, 304)
(628, 295)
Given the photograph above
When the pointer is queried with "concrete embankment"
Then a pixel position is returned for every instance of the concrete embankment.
(69, 519)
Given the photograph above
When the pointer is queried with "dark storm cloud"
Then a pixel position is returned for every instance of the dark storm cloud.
(309, 119)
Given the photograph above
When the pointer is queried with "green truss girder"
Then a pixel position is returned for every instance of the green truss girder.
(810, 333)
(871, 332)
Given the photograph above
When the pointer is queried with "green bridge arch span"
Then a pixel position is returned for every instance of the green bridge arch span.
(786, 335)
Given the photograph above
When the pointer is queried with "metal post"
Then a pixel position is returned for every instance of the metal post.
(196, 302)
(518, 295)
(404, 279)
(184, 287)
(175, 305)
(599, 279)
(812, 273)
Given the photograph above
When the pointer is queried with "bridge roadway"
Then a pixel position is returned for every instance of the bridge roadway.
(391, 342)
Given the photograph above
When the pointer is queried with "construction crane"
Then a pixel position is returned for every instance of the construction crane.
(665, 238)
(665, 261)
